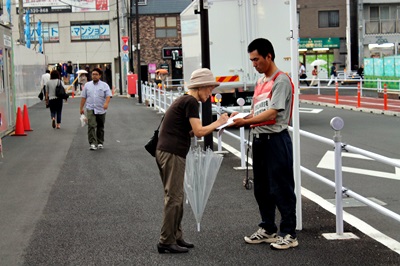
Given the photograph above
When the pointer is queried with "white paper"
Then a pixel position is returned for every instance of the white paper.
(230, 120)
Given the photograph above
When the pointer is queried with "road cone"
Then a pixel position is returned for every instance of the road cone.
(19, 125)
(27, 124)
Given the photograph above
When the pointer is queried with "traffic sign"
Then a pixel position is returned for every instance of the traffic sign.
(125, 58)
(125, 39)
(125, 48)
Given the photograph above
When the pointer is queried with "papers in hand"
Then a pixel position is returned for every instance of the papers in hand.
(230, 120)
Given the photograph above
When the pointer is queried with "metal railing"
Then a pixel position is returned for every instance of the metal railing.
(322, 84)
(159, 98)
(382, 26)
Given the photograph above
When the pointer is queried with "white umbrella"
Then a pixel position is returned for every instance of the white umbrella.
(81, 71)
(318, 62)
(200, 173)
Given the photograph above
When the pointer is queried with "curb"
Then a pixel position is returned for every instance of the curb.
(352, 108)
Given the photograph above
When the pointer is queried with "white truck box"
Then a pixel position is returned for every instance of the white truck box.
(233, 24)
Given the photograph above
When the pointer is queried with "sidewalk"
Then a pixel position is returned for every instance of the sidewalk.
(62, 204)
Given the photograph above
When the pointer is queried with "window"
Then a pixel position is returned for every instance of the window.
(166, 27)
(328, 19)
(141, 2)
(90, 30)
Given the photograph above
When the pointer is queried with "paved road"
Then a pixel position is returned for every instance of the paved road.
(62, 204)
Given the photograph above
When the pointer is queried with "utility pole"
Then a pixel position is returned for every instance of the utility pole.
(119, 51)
(139, 80)
(206, 116)
(348, 38)
(21, 22)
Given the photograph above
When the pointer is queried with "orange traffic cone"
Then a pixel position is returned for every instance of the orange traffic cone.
(19, 125)
(27, 124)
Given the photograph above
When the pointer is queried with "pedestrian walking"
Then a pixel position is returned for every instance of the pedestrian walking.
(96, 96)
(180, 123)
(302, 73)
(52, 100)
(314, 81)
(43, 81)
(333, 74)
(272, 149)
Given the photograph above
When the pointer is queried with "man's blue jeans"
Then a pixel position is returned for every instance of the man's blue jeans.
(274, 181)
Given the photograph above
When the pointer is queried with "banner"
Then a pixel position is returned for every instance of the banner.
(64, 6)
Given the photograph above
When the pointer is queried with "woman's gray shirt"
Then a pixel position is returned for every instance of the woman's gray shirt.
(51, 87)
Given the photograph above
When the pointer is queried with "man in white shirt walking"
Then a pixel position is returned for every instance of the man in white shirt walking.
(96, 96)
(43, 81)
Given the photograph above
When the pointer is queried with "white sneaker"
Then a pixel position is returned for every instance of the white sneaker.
(93, 147)
(100, 146)
(285, 242)
(260, 236)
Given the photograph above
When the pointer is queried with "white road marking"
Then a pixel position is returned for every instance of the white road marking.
(350, 219)
(310, 110)
(354, 221)
(328, 162)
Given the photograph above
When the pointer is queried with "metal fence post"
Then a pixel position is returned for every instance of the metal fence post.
(337, 124)
(241, 102)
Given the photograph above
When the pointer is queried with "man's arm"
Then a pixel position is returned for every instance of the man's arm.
(83, 101)
(269, 114)
(105, 106)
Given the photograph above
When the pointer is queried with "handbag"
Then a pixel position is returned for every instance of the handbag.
(151, 145)
(40, 96)
(60, 91)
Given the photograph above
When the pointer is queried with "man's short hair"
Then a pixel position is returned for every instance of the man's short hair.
(263, 47)
(98, 70)
(47, 71)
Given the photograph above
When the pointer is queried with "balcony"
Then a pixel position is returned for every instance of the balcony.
(382, 26)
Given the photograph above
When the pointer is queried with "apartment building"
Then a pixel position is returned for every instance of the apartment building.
(379, 28)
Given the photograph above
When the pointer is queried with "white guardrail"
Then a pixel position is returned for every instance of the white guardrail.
(160, 99)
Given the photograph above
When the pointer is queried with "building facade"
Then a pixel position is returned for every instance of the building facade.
(374, 30)
(322, 33)
(379, 27)
(80, 32)
(160, 37)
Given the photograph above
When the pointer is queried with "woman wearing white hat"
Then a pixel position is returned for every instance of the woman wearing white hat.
(180, 122)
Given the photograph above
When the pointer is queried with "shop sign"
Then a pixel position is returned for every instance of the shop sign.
(310, 43)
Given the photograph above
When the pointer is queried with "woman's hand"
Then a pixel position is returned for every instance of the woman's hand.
(223, 119)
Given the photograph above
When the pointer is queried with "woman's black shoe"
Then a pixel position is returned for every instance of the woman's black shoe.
(172, 248)
(184, 244)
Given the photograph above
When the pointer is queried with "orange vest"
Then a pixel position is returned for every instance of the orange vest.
(262, 98)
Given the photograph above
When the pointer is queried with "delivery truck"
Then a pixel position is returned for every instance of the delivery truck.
(233, 24)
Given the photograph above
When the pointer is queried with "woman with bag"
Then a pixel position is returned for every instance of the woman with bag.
(52, 100)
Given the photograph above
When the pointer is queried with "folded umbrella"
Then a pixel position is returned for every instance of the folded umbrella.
(201, 171)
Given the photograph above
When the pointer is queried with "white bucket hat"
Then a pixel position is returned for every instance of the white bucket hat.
(202, 77)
